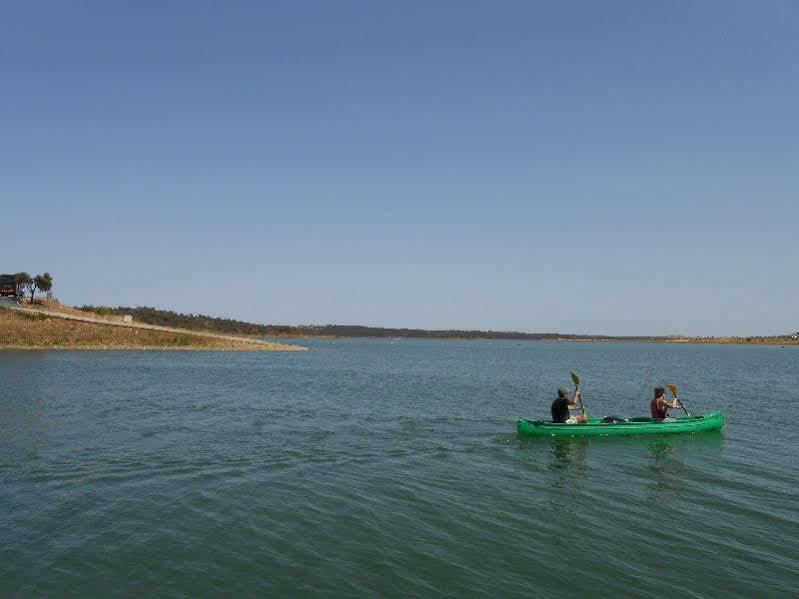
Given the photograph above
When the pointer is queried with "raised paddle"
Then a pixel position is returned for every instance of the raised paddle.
(673, 388)
(576, 380)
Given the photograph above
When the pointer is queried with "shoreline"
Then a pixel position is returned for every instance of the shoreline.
(125, 335)
(664, 341)
(26, 329)
(214, 324)
(142, 348)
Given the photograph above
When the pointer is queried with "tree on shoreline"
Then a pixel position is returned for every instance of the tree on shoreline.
(24, 281)
(43, 283)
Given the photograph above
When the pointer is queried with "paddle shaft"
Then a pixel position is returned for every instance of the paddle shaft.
(682, 405)
(579, 398)
(576, 381)
(673, 389)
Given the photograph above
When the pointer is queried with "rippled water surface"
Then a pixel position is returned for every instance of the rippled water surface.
(392, 468)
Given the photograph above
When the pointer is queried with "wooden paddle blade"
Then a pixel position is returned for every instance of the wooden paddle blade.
(673, 388)
(575, 378)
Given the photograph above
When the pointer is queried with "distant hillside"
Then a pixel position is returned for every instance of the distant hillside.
(201, 322)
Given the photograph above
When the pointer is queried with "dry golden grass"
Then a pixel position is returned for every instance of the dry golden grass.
(53, 305)
(19, 330)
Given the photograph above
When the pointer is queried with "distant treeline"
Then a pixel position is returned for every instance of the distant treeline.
(201, 322)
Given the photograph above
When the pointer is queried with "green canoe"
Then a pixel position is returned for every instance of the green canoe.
(628, 426)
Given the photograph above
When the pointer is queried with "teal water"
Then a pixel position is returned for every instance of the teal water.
(392, 468)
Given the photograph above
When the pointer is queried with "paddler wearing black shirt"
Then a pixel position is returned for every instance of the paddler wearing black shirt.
(561, 407)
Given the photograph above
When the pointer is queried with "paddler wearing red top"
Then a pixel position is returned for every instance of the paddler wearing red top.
(660, 405)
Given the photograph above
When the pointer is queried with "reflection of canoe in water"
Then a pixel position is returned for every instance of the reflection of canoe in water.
(626, 426)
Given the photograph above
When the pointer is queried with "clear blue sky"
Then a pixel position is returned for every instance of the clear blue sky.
(601, 167)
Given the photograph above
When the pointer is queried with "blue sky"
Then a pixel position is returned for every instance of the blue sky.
(597, 167)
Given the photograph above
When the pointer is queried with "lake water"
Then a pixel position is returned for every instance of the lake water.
(392, 468)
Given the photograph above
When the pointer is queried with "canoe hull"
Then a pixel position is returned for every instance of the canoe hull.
(633, 426)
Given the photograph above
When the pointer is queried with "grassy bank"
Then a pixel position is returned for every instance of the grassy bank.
(20, 330)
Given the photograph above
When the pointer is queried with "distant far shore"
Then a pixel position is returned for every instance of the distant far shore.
(777, 340)
(343, 331)
(202, 332)
(575, 339)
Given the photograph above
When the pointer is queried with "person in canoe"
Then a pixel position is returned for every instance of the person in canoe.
(562, 406)
(660, 405)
